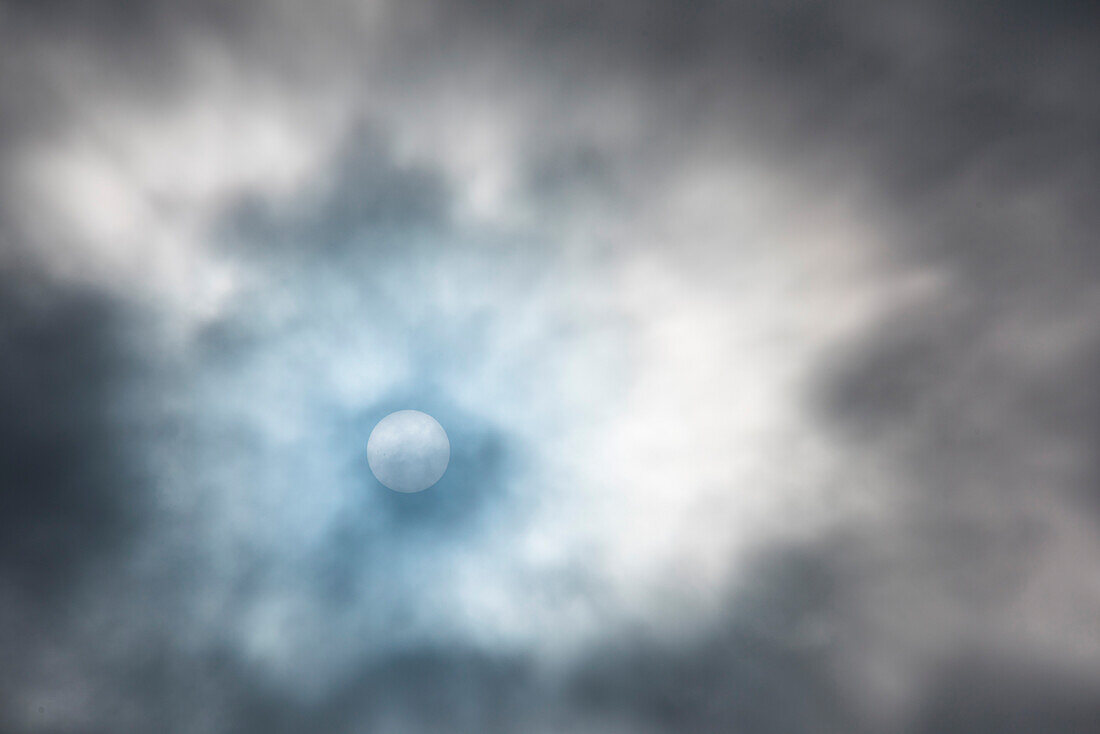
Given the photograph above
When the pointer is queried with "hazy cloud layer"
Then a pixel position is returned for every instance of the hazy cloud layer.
(765, 336)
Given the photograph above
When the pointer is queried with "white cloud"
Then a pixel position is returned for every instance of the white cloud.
(124, 195)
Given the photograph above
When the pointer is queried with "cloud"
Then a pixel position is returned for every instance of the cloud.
(60, 365)
(763, 334)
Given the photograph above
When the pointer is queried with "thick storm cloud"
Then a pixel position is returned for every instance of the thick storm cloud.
(765, 336)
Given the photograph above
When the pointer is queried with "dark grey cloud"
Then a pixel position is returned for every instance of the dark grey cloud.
(987, 694)
(70, 493)
(364, 196)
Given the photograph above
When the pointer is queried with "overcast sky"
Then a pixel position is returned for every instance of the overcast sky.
(766, 336)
